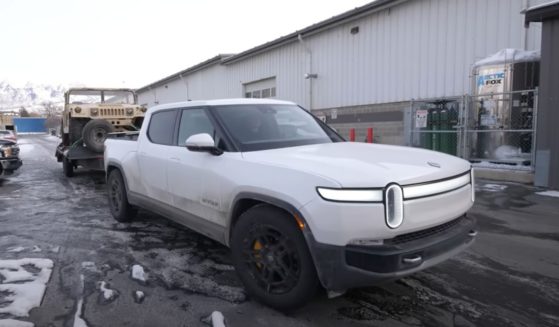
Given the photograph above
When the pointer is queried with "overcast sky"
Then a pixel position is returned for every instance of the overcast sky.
(116, 43)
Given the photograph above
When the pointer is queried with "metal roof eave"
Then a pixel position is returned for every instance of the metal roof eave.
(541, 12)
(343, 18)
(210, 62)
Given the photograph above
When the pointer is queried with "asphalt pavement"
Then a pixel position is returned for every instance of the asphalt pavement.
(509, 277)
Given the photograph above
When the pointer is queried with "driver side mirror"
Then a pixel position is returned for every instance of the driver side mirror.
(202, 143)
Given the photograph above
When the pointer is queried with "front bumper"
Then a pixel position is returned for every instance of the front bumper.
(9, 166)
(343, 267)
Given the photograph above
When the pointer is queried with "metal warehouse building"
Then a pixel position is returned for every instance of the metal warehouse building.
(368, 66)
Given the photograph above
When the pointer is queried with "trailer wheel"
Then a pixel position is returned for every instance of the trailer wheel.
(95, 132)
(68, 167)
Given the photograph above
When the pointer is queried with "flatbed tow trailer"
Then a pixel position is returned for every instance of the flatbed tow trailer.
(77, 155)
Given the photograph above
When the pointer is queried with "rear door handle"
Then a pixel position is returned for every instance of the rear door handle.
(174, 159)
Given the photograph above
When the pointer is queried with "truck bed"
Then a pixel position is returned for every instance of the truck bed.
(130, 136)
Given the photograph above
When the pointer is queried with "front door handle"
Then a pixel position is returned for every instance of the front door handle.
(174, 159)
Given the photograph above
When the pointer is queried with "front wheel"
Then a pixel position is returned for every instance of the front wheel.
(272, 259)
(121, 210)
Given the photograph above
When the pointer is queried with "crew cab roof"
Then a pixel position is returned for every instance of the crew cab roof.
(220, 102)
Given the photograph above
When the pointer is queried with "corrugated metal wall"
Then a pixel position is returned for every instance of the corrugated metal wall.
(418, 49)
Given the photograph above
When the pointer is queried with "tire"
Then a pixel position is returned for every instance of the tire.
(95, 132)
(67, 167)
(261, 236)
(121, 210)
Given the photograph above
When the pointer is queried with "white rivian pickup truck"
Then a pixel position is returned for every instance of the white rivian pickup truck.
(297, 205)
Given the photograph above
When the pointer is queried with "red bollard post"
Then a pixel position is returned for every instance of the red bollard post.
(370, 135)
(352, 134)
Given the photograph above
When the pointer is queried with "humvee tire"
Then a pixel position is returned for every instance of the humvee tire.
(95, 132)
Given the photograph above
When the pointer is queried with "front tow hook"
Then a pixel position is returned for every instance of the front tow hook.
(414, 259)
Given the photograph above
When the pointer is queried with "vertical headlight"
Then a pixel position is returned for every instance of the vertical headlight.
(394, 206)
(473, 185)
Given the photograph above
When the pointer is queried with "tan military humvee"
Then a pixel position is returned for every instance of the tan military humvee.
(91, 113)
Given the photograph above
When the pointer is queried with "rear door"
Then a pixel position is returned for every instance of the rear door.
(154, 155)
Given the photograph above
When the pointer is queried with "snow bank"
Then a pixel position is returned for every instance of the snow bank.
(138, 273)
(15, 323)
(25, 289)
(549, 193)
(508, 56)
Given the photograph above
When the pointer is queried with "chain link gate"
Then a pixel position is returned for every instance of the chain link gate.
(491, 130)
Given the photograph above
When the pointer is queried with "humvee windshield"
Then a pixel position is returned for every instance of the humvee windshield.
(100, 96)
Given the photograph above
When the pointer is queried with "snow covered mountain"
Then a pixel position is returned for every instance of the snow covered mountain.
(31, 96)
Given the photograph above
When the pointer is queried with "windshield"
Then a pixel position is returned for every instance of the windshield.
(266, 126)
(99, 96)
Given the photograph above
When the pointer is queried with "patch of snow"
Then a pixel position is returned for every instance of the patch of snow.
(138, 273)
(89, 265)
(108, 293)
(492, 187)
(549, 193)
(26, 148)
(15, 323)
(19, 275)
(78, 321)
(16, 249)
(486, 164)
(55, 249)
(139, 296)
(216, 319)
(509, 55)
(30, 288)
(36, 248)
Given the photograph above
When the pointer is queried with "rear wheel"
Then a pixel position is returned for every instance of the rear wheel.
(95, 133)
(67, 167)
(272, 258)
(121, 210)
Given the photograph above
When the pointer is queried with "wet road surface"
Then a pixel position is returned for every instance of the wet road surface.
(509, 277)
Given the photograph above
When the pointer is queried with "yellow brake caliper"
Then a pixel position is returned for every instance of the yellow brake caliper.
(257, 246)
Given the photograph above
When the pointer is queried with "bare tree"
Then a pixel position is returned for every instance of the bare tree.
(51, 109)
(23, 112)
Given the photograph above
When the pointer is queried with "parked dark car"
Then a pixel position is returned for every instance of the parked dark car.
(9, 158)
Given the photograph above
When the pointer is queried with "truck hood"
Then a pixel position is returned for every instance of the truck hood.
(362, 164)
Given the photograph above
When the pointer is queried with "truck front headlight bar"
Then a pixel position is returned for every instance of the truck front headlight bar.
(350, 195)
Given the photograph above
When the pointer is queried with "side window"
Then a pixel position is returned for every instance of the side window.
(194, 121)
(161, 127)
